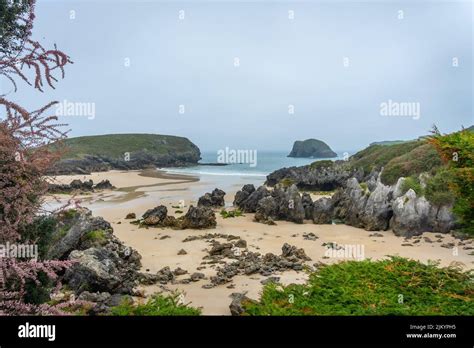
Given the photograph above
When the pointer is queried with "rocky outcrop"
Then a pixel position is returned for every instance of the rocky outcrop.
(215, 199)
(323, 210)
(247, 199)
(414, 215)
(247, 263)
(319, 176)
(358, 206)
(195, 218)
(311, 148)
(282, 204)
(125, 152)
(77, 186)
(101, 263)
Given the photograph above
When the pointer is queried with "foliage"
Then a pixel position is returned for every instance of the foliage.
(437, 188)
(231, 213)
(398, 160)
(457, 151)
(96, 237)
(157, 305)
(395, 286)
(115, 145)
(24, 158)
(14, 26)
(412, 183)
(321, 164)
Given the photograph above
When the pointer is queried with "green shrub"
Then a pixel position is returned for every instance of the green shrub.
(395, 286)
(96, 237)
(231, 213)
(157, 305)
(457, 151)
(322, 164)
(41, 232)
(437, 188)
(412, 183)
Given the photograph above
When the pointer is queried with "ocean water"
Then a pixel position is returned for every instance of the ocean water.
(233, 176)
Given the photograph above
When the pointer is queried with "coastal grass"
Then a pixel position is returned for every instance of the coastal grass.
(116, 145)
(398, 160)
(394, 286)
(157, 305)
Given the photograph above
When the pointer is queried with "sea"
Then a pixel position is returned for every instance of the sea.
(234, 175)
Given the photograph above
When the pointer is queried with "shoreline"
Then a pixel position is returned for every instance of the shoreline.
(138, 191)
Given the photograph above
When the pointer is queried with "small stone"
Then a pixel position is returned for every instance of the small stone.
(131, 216)
(197, 276)
(407, 244)
(182, 252)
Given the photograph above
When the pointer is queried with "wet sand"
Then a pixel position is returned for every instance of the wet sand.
(138, 191)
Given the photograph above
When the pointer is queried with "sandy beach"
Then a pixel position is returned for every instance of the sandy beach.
(138, 191)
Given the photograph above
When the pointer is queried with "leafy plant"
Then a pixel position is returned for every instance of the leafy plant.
(395, 286)
(230, 213)
(157, 305)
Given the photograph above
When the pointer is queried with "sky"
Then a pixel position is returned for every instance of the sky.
(260, 75)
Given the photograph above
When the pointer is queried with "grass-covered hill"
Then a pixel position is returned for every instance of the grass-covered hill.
(401, 159)
(125, 151)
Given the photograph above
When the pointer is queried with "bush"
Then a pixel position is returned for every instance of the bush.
(412, 183)
(96, 237)
(157, 305)
(457, 151)
(322, 164)
(395, 286)
(231, 213)
(437, 188)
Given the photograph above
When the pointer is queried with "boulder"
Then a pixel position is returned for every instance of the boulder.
(199, 218)
(323, 210)
(215, 199)
(307, 202)
(249, 205)
(155, 216)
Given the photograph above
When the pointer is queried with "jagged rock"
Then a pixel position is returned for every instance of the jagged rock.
(155, 216)
(307, 202)
(310, 236)
(198, 218)
(102, 269)
(72, 228)
(267, 208)
(290, 251)
(283, 204)
(414, 215)
(165, 275)
(242, 195)
(182, 252)
(214, 199)
(236, 307)
(249, 204)
(316, 177)
(224, 249)
(323, 210)
(104, 185)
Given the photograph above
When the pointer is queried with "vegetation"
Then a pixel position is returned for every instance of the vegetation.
(414, 184)
(322, 164)
(13, 31)
(457, 152)
(437, 188)
(286, 182)
(116, 145)
(231, 213)
(395, 286)
(97, 237)
(157, 305)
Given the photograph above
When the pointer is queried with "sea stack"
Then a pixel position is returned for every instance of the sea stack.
(311, 148)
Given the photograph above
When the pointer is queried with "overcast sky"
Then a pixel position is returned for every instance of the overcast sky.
(138, 62)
